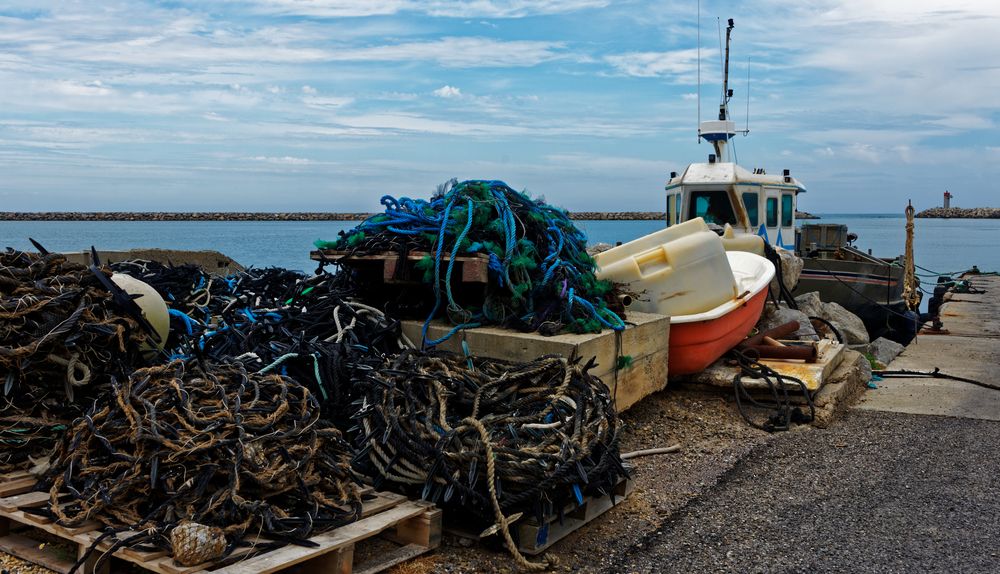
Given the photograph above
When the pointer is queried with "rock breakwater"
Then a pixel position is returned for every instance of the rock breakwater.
(961, 213)
(264, 216)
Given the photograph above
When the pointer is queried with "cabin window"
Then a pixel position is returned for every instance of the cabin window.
(670, 209)
(713, 206)
(750, 202)
(677, 207)
(772, 212)
(787, 210)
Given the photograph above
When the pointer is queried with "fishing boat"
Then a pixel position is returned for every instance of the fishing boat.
(870, 287)
(754, 202)
(713, 297)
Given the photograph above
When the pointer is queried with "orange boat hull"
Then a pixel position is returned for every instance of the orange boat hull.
(696, 345)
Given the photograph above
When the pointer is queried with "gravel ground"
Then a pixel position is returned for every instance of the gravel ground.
(878, 492)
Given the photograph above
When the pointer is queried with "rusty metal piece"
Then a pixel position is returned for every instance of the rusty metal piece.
(776, 333)
(796, 352)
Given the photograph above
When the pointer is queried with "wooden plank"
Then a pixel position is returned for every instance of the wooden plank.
(474, 268)
(327, 542)
(17, 486)
(383, 501)
(535, 538)
(339, 561)
(26, 500)
(28, 549)
(646, 340)
(416, 522)
(389, 559)
(423, 530)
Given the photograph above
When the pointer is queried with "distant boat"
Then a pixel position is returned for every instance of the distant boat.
(763, 204)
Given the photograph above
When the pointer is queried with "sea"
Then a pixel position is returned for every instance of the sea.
(941, 246)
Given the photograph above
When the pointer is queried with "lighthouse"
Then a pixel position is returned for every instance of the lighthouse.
(947, 199)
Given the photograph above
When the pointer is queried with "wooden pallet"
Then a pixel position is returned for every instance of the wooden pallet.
(413, 526)
(17, 482)
(534, 538)
(471, 268)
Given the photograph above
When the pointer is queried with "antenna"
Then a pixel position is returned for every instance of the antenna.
(746, 131)
(699, 71)
(724, 65)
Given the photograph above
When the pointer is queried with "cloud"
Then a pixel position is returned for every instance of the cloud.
(442, 8)
(448, 92)
(326, 102)
(961, 121)
(95, 88)
(284, 160)
(309, 90)
(679, 64)
(460, 52)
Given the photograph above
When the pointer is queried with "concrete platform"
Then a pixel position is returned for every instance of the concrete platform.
(970, 350)
(813, 375)
(645, 340)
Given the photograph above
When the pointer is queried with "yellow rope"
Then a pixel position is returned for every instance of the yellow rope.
(502, 521)
(911, 294)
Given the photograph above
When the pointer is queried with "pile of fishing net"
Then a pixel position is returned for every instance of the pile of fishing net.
(65, 330)
(193, 458)
(540, 275)
(274, 320)
(486, 437)
(234, 433)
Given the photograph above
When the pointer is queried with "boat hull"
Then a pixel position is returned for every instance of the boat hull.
(696, 345)
(872, 291)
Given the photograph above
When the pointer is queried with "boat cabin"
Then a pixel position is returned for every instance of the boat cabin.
(722, 192)
(751, 202)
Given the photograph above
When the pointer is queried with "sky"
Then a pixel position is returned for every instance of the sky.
(327, 105)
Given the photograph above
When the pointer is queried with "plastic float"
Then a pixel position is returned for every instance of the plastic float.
(713, 297)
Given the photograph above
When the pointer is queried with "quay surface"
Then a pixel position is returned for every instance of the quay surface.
(970, 349)
(906, 482)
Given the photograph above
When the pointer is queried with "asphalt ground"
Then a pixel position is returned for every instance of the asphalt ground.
(878, 492)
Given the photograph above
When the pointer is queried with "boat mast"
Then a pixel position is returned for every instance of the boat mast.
(726, 92)
(720, 131)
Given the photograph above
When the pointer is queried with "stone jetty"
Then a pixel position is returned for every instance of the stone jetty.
(961, 213)
(264, 216)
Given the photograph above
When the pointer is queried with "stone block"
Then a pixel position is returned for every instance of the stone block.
(845, 385)
(849, 324)
(645, 340)
(884, 350)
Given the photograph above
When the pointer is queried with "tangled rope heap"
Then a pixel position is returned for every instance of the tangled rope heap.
(541, 277)
(221, 448)
(490, 437)
(62, 336)
(274, 320)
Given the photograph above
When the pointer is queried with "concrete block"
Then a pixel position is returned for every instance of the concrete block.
(646, 340)
(846, 384)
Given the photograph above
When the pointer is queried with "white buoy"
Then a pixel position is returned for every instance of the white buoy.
(154, 309)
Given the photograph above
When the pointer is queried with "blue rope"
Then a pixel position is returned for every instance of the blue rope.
(454, 257)
(188, 321)
(558, 257)
(437, 274)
